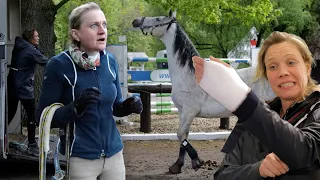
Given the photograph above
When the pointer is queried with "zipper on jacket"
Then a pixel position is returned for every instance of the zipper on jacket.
(102, 153)
(96, 75)
(285, 114)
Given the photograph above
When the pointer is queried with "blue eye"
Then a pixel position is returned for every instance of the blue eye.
(94, 26)
(292, 62)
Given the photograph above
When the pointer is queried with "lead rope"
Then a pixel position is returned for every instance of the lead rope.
(44, 137)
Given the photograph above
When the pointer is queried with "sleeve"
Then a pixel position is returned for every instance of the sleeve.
(118, 109)
(39, 57)
(117, 106)
(51, 92)
(298, 148)
(231, 167)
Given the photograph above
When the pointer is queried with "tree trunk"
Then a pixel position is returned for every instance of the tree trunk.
(40, 15)
(314, 46)
(260, 35)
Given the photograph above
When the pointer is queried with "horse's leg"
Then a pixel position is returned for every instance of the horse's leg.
(195, 159)
(183, 132)
(176, 167)
(187, 119)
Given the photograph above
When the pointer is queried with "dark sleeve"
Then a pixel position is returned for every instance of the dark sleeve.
(119, 111)
(231, 167)
(298, 148)
(117, 106)
(39, 57)
(51, 92)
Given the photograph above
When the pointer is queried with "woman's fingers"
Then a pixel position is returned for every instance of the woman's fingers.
(197, 60)
(284, 165)
(278, 165)
(269, 173)
(264, 169)
(273, 167)
(198, 64)
(219, 61)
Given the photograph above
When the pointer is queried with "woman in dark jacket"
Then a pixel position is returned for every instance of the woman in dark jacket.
(25, 56)
(85, 80)
(279, 140)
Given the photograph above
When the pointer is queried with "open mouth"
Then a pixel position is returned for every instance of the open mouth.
(101, 39)
(287, 85)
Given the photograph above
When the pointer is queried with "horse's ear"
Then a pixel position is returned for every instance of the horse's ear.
(170, 12)
(174, 14)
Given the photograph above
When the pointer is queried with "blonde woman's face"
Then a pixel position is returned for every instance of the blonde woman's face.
(286, 71)
(92, 33)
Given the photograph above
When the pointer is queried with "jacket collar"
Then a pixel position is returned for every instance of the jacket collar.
(275, 105)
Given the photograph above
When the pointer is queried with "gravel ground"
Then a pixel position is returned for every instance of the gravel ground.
(144, 160)
(169, 123)
(150, 160)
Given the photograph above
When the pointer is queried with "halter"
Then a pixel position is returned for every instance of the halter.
(174, 20)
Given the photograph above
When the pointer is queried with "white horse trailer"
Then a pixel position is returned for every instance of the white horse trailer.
(12, 141)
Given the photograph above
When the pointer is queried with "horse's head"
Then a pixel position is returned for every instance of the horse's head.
(157, 25)
(177, 41)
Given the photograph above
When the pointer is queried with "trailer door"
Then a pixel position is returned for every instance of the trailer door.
(3, 124)
(3, 67)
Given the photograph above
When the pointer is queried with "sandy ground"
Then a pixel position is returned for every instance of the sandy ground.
(151, 160)
(148, 160)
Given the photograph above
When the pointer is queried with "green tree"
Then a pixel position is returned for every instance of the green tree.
(120, 15)
(313, 36)
(295, 17)
(216, 27)
(216, 39)
(212, 12)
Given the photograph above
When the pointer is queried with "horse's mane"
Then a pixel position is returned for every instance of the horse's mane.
(184, 48)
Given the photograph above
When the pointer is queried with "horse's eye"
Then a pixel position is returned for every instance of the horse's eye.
(158, 19)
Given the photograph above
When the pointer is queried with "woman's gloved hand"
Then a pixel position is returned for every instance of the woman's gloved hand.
(132, 105)
(87, 96)
(221, 82)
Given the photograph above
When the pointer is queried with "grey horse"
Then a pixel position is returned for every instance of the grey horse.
(187, 95)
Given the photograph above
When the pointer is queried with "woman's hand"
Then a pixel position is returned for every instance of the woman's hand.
(87, 96)
(272, 166)
(221, 82)
(133, 105)
(199, 66)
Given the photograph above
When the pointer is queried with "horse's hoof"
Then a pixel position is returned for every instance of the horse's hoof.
(175, 169)
(196, 163)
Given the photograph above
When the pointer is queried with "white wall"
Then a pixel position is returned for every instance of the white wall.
(13, 30)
